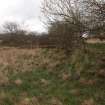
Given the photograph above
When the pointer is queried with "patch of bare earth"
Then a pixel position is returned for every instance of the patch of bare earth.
(88, 102)
(28, 101)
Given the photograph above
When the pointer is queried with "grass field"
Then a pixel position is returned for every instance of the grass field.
(48, 77)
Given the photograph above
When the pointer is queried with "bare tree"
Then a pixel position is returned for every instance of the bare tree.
(86, 14)
(66, 10)
(96, 14)
(11, 27)
(67, 21)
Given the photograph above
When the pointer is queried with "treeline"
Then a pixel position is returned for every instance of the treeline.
(13, 35)
(66, 21)
(25, 40)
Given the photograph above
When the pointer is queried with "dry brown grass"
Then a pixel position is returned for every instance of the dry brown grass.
(93, 41)
(29, 101)
(18, 59)
(14, 60)
(88, 102)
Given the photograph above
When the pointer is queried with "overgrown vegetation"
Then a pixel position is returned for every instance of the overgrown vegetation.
(58, 67)
(47, 77)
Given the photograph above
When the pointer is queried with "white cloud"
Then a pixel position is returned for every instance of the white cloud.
(26, 11)
(35, 25)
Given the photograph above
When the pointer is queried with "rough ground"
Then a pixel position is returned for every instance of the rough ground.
(48, 77)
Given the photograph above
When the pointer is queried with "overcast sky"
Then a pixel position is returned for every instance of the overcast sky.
(26, 12)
